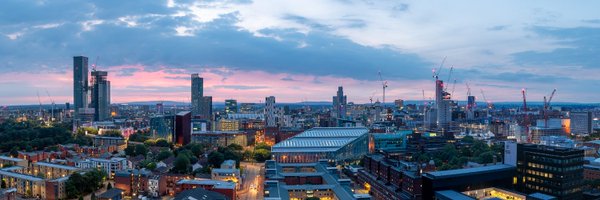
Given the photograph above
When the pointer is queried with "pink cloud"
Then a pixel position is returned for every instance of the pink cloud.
(138, 84)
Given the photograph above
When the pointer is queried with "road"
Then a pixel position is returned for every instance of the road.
(255, 178)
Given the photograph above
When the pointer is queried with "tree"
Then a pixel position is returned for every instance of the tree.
(130, 150)
(108, 186)
(313, 198)
(80, 198)
(164, 154)
(247, 155)
(486, 157)
(151, 166)
(235, 147)
(468, 139)
(181, 164)
(141, 149)
(260, 155)
(3, 184)
(197, 149)
(93, 197)
(112, 133)
(162, 143)
(215, 158)
(262, 146)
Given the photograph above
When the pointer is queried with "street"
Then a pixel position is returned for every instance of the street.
(253, 184)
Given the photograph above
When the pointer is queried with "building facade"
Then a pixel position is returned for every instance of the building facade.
(231, 106)
(100, 95)
(556, 171)
(334, 144)
(80, 84)
(197, 93)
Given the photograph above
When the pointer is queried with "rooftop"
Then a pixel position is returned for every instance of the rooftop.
(66, 167)
(454, 195)
(11, 159)
(215, 183)
(21, 176)
(320, 139)
(468, 171)
(111, 194)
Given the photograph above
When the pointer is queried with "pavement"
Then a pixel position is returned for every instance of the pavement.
(254, 177)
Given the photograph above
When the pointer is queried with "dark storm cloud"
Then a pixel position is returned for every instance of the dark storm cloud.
(581, 48)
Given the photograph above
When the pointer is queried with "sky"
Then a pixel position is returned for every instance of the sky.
(302, 50)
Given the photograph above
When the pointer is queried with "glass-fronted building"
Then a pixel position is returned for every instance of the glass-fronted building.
(336, 144)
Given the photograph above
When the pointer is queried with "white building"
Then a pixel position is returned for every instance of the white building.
(110, 166)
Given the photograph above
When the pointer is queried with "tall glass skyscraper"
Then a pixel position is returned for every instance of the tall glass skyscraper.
(100, 95)
(80, 83)
(197, 93)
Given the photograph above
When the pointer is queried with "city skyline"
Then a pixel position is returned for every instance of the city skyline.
(301, 53)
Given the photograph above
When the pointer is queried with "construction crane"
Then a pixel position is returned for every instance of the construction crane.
(489, 103)
(525, 115)
(53, 105)
(437, 73)
(371, 97)
(450, 74)
(384, 85)
(546, 108)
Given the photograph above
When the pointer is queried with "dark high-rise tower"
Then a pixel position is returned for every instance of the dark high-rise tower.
(100, 95)
(80, 83)
(339, 103)
(231, 106)
(197, 94)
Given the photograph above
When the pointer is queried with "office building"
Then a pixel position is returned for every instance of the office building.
(306, 180)
(501, 175)
(228, 125)
(183, 128)
(442, 102)
(227, 189)
(206, 108)
(200, 193)
(399, 103)
(556, 171)
(221, 138)
(335, 144)
(270, 112)
(80, 84)
(471, 106)
(389, 179)
(231, 106)
(581, 123)
(339, 104)
(162, 127)
(100, 95)
(197, 94)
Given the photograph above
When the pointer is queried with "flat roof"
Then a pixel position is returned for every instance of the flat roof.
(320, 140)
(468, 171)
(215, 183)
(11, 159)
(21, 176)
(541, 196)
(454, 195)
(13, 168)
(56, 166)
